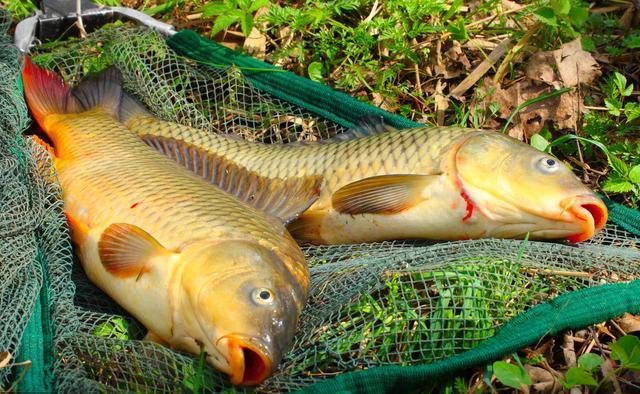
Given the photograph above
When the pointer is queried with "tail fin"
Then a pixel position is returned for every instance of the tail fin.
(47, 94)
(45, 91)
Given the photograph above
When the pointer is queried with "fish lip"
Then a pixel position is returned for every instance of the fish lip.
(589, 210)
(238, 348)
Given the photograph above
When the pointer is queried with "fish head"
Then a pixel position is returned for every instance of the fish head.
(525, 190)
(242, 305)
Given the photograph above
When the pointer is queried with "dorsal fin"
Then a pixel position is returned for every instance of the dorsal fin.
(102, 89)
(367, 126)
(283, 198)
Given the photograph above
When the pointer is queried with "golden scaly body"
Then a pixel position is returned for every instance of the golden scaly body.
(413, 151)
(109, 176)
(441, 183)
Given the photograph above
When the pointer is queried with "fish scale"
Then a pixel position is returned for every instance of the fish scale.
(411, 150)
(443, 183)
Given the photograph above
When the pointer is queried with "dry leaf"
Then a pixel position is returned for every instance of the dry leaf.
(5, 357)
(561, 110)
(542, 380)
(629, 323)
(564, 67)
(256, 43)
(575, 65)
(539, 68)
(455, 62)
(442, 103)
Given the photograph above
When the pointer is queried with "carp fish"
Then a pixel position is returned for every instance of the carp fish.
(198, 267)
(440, 183)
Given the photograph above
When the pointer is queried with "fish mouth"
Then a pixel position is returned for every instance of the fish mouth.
(249, 363)
(591, 212)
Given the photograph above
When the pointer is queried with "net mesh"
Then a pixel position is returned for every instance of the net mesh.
(402, 303)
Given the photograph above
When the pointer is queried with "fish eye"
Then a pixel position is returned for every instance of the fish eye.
(548, 165)
(263, 296)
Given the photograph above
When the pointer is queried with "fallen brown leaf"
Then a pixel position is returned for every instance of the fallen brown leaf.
(543, 381)
(564, 67)
(256, 43)
(454, 63)
(629, 323)
(576, 65)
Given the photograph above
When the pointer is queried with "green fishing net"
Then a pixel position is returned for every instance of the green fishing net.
(389, 303)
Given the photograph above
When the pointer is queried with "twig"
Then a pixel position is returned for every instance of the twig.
(492, 17)
(481, 69)
(515, 50)
(613, 323)
(577, 274)
(418, 82)
(373, 13)
(83, 32)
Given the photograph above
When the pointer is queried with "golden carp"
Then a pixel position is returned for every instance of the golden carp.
(194, 264)
(442, 183)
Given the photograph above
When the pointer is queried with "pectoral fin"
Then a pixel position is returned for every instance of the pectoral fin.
(285, 199)
(384, 194)
(125, 250)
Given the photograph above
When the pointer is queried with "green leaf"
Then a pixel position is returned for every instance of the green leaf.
(617, 185)
(634, 174)
(627, 351)
(246, 23)
(618, 165)
(315, 72)
(547, 16)
(104, 329)
(257, 4)
(213, 9)
(458, 30)
(620, 82)
(632, 111)
(511, 375)
(539, 142)
(632, 41)
(561, 7)
(588, 44)
(577, 376)
(614, 106)
(627, 92)
(578, 16)
(590, 361)
(223, 22)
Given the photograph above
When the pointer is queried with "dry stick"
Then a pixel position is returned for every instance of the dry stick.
(374, 11)
(416, 69)
(482, 69)
(515, 50)
(585, 173)
(83, 32)
(569, 353)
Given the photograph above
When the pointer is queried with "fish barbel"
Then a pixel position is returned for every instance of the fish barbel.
(191, 262)
(442, 183)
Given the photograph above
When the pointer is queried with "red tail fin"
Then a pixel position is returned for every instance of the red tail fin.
(45, 91)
